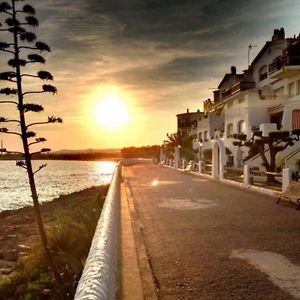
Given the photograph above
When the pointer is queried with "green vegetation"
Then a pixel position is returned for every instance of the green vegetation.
(185, 143)
(70, 228)
(141, 152)
(275, 142)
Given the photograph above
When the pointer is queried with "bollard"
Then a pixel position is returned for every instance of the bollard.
(247, 175)
(286, 178)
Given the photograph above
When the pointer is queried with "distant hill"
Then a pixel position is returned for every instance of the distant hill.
(85, 151)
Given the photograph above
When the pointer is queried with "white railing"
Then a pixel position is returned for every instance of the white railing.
(98, 280)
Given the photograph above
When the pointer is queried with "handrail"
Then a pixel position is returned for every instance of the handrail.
(291, 155)
(98, 280)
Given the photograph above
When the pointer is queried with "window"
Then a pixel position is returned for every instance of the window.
(200, 137)
(229, 130)
(296, 119)
(298, 87)
(263, 73)
(279, 91)
(205, 136)
(241, 127)
(291, 89)
(277, 119)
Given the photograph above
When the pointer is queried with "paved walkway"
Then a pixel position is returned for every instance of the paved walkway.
(207, 240)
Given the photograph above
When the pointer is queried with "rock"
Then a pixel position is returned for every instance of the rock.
(20, 290)
(7, 264)
(24, 247)
(11, 255)
(5, 271)
(46, 292)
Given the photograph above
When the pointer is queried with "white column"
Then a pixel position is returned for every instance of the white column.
(286, 178)
(200, 166)
(176, 157)
(221, 177)
(161, 155)
(247, 175)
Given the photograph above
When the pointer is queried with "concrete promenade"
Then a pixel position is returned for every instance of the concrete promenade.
(200, 239)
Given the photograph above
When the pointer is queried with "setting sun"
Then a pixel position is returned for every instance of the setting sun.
(111, 111)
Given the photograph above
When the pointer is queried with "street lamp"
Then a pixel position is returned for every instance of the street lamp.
(200, 151)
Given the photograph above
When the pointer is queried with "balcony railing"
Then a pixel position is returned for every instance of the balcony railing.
(287, 60)
(240, 86)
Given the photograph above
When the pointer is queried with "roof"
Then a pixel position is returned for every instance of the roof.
(239, 77)
(191, 113)
(261, 52)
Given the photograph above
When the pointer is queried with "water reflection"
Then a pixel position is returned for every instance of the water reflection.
(59, 177)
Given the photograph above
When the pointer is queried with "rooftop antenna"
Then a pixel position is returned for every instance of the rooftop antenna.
(249, 51)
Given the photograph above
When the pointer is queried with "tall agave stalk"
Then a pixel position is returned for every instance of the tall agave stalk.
(23, 41)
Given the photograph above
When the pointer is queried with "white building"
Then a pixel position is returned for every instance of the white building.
(265, 97)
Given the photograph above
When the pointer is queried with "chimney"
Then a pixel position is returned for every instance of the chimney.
(187, 110)
(233, 70)
(282, 33)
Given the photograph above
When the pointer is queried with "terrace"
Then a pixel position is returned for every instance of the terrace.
(284, 67)
(239, 87)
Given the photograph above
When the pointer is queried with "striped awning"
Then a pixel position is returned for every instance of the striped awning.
(296, 119)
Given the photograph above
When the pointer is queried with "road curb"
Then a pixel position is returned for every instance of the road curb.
(149, 288)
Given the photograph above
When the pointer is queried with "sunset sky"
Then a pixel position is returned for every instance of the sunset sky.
(143, 60)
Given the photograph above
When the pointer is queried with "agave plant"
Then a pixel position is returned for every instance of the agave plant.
(20, 18)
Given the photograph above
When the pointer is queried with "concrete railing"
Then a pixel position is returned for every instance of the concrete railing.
(98, 280)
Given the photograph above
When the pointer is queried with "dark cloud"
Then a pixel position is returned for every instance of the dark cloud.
(169, 53)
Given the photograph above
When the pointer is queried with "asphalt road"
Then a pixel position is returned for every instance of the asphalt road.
(191, 227)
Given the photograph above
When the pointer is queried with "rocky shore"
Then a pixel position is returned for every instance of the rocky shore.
(18, 229)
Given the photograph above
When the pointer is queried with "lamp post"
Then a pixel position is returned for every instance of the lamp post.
(200, 151)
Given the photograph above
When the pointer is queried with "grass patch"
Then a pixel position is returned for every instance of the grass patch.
(70, 229)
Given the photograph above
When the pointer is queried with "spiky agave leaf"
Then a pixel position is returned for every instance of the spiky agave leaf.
(17, 29)
(40, 140)
(30, 134)
(8, 91)
(28, 9)
(12, 22)
(7, 75)
(32, 107)
(21, 163)
(15, 62)
(3, 129)
(44, 75)
(32, 21)
(4, 46)
(4, 6)
(36, 58)
(48, 88)
(53, 119)
(28, 36)
(42, 46)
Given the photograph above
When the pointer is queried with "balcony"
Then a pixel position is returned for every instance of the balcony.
(239, 87)
(284, 67)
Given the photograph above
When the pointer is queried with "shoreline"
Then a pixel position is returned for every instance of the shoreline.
(19, 229)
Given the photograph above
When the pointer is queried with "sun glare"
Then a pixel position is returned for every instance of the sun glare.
(111, 111)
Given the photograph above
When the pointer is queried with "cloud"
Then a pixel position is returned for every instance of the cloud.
(166, 53)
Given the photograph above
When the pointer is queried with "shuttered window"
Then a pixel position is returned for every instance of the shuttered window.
(296, 119)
